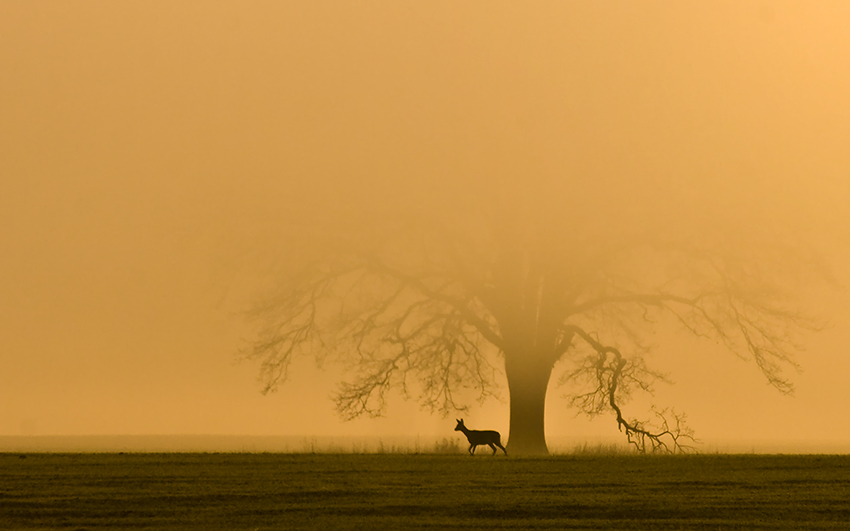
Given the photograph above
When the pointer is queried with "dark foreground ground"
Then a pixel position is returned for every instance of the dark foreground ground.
(396, 491)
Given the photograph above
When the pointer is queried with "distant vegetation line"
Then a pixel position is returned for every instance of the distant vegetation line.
(452, 444)
(235, 443)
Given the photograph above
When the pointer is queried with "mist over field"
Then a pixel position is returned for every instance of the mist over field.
(578, 445)
(165, 166)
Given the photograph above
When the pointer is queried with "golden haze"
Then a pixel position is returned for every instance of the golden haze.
(155, 154)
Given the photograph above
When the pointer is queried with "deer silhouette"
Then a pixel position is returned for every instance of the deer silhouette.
(480, 437)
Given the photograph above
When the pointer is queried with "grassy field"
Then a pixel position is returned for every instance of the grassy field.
(398, 491)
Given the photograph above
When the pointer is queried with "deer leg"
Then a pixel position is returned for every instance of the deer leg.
(493, 447)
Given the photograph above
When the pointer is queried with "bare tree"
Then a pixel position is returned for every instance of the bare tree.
(436, 310)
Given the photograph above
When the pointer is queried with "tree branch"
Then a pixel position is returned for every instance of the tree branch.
(460, 306)
(652, 299)
(612, 373)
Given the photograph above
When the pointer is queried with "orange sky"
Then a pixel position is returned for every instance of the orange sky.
(149, 151)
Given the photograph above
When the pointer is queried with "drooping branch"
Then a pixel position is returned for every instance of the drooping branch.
(751, 323)
(613, 375)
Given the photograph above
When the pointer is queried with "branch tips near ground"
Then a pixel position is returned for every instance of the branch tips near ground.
(612, 378)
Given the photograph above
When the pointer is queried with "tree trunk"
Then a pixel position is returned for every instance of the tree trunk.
(528, 379)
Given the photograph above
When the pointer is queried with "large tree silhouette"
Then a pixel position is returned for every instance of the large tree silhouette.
(437, 305)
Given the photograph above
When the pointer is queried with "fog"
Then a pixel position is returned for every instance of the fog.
(158, 161)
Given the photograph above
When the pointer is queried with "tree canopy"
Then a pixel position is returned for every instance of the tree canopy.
(435, 298)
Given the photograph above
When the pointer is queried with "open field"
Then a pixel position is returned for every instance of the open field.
(397, 491)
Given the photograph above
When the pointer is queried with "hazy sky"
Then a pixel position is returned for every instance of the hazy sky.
(151, 151)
